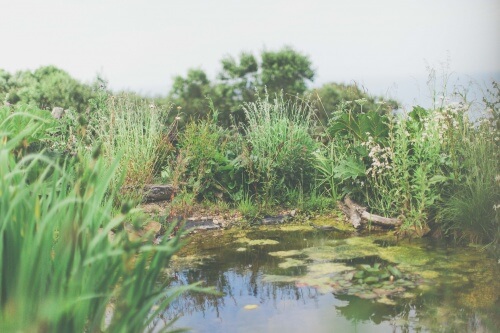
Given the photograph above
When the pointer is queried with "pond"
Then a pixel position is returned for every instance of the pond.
(298, 279)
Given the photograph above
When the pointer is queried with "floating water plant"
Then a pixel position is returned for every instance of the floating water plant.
(373, 274)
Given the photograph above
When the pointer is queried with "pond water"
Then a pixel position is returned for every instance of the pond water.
(296, 279)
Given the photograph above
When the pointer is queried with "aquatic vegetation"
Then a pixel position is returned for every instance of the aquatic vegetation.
(330, 223)
(290, 262)
(256, 242)
(327, 268)
(293, 228)
(290, 253)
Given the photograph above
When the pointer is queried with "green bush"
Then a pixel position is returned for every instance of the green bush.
(205, 164)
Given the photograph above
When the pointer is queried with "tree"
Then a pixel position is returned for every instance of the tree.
(236, 85)
(286, 70)
(46, 87)
(190, 93)
(238, 82)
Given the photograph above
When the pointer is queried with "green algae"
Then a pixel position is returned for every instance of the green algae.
(282, 254)
(328, 268)
(409, 256)
(257, 242)
(295, 228)
(290, 262)
(332, 223)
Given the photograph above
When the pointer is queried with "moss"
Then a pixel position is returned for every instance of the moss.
(334, 223)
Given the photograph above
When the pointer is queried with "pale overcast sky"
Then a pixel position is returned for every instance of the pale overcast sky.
(142, 45)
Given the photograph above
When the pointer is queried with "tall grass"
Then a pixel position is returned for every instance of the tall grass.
(278, 151)
(471, 213)
(59, 269)
(137, 131)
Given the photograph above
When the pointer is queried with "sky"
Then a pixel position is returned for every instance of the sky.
(386, 46)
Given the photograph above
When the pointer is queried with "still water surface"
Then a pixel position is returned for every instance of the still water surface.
(294, 279)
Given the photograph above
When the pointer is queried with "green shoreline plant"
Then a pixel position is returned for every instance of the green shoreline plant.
(60, 270)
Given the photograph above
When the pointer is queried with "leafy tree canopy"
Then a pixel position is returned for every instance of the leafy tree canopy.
(238, 82)
(46, 87)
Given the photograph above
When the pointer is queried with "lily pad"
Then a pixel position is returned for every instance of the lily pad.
(385, 300)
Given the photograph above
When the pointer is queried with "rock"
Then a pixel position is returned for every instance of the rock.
(279, 219)
(202, 223)
(58, 112)
(154, 192)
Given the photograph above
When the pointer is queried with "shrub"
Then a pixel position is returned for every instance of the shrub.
(205, 164)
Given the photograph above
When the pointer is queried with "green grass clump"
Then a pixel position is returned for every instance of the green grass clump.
(278, 148)
(59, 268)
(133, 129)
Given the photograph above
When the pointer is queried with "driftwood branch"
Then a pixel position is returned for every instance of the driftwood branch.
(358, 215)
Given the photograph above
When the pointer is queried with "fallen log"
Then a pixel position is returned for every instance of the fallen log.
(358, 215)
(380, 220)
(352, 214)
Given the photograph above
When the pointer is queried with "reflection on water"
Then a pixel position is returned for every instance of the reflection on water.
(447, 289)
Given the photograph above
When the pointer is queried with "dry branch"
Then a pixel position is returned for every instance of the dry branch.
(358, 215)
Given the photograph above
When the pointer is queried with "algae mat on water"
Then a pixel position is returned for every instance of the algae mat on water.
(332, 267)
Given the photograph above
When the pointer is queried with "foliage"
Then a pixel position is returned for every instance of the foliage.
(331, 97)
(285, 70)
(278, 151)
(134, 129)
(471, 211)
(15, 119)
(59, 269)
(238, 81)
(46, 87)
(205, 161)
(189, 94)
(432, 164)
